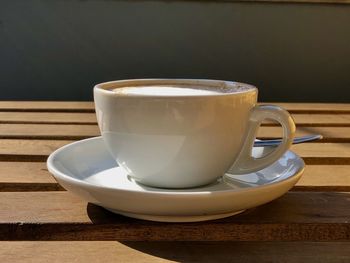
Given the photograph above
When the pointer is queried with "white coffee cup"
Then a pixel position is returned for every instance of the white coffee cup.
(180, 133)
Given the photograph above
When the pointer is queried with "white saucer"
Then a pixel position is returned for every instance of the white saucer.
(87, 169)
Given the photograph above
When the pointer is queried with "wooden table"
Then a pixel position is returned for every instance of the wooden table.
(311, 223)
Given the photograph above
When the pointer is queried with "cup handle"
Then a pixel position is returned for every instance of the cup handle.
(246, 163)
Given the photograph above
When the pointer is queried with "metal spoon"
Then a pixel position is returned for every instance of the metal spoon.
(275, 142)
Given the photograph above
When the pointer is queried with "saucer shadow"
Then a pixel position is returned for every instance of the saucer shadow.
(178, 251)
(188, 251)
(99, 215)
(234, 251)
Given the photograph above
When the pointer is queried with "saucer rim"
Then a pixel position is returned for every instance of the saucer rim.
(62, 176)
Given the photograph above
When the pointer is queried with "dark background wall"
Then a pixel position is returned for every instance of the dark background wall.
(57, 50)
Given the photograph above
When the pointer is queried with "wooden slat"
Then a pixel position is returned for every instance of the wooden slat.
(30, 147)
(48, 117)
(47, 106)
(28, 150)
(334, 120)
(65, 106)
(153, 252)
(38, 150)
(314, 107)
(25, 172)
(324, 153)
(318, 120)
(330, 134)
(26, 176)
(297, 216)
(325, 178)
(33, 176)
(76, 132)
(48, 131)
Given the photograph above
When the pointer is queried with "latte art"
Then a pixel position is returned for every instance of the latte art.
(164, 91)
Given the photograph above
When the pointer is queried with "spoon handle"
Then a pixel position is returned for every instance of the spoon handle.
(275, 142)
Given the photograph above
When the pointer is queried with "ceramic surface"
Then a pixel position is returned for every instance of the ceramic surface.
(87, 169)
(185, 141)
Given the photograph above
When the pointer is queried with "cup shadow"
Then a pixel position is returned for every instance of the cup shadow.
(99, 215)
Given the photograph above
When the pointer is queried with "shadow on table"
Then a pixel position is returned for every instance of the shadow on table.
(98, 216)
(113, 227)
(178, 251)
(288, 252)
(190, 251)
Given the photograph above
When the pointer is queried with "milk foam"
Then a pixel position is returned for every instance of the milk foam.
(164, 91)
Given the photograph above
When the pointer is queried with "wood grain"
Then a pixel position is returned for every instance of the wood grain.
(297, 216)
(34, 176)
(38, 150)
(324, 153)
(333, 120)
(330, 134)
(77, 132)
(307, 108)
(325, 178)
(48, 131)
(153, 252)
(318, 120)
(48, 117)
(28, 150)
(25, 172)
(26, 176)
(47, 106)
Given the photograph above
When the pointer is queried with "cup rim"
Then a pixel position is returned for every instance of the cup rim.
(238, 88)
